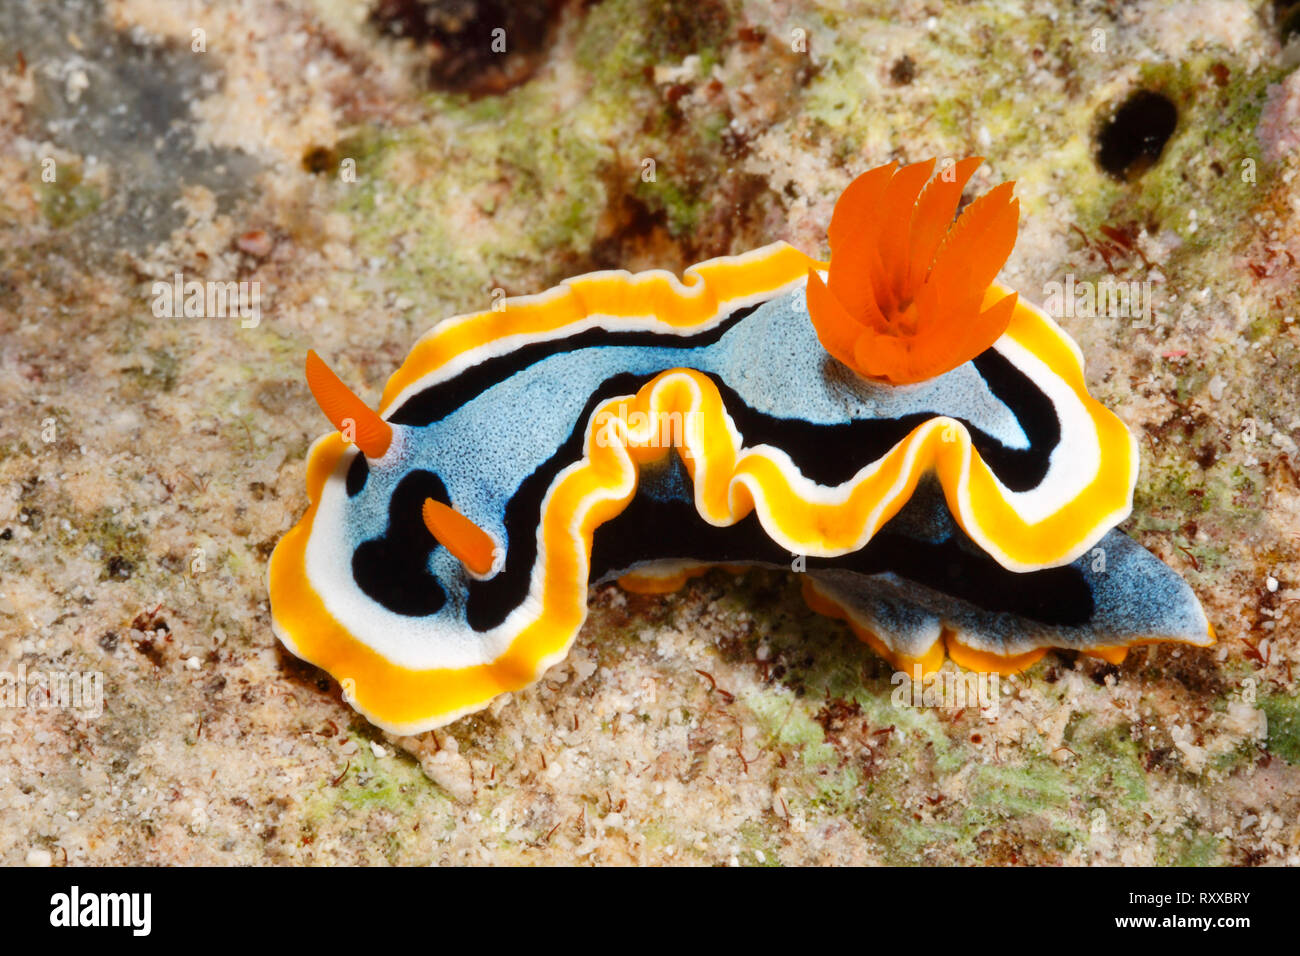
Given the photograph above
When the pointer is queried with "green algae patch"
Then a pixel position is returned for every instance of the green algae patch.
(1057, 802)
(681, 205)
(1111, 763)
(159, 375)
(758, 848)
(124, 547)
(476, 211)
(1188, 848)
(395, 783)
(830, 783)
(1033, 788)
(68, 199)
(620, 38)
(1038, 793)
(386, 796)
(1283, 712)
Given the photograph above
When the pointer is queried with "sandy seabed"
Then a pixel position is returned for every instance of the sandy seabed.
(149, 464)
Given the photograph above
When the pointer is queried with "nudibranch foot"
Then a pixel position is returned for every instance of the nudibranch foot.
(921, 587)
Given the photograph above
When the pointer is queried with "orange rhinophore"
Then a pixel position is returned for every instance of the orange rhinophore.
(469, 543)
(371, 433)
(904, 293)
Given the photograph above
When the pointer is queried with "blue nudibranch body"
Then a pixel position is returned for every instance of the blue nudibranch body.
(914, 438)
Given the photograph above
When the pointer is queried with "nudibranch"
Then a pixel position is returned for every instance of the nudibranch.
(913, 439)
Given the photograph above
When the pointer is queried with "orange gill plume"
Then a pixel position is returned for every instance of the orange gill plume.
(349, 414)
(903, 296)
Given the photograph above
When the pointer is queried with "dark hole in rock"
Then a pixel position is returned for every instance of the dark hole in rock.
(476, 46)
(1133, 138)
(320, 159)
(637, 229)
(1286, 14)
(119, 567)
(903, 71)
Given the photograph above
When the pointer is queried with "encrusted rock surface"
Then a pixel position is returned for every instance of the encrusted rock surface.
(149, 464)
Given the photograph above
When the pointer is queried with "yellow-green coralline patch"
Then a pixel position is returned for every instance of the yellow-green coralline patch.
(387, 795)
(119, 542)
(430, 200)
(68, 199)
(1283, 726)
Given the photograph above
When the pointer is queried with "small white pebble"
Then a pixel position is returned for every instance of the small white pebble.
(39, 857)
(193, 663)
(77, 82)
(1271, 583)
